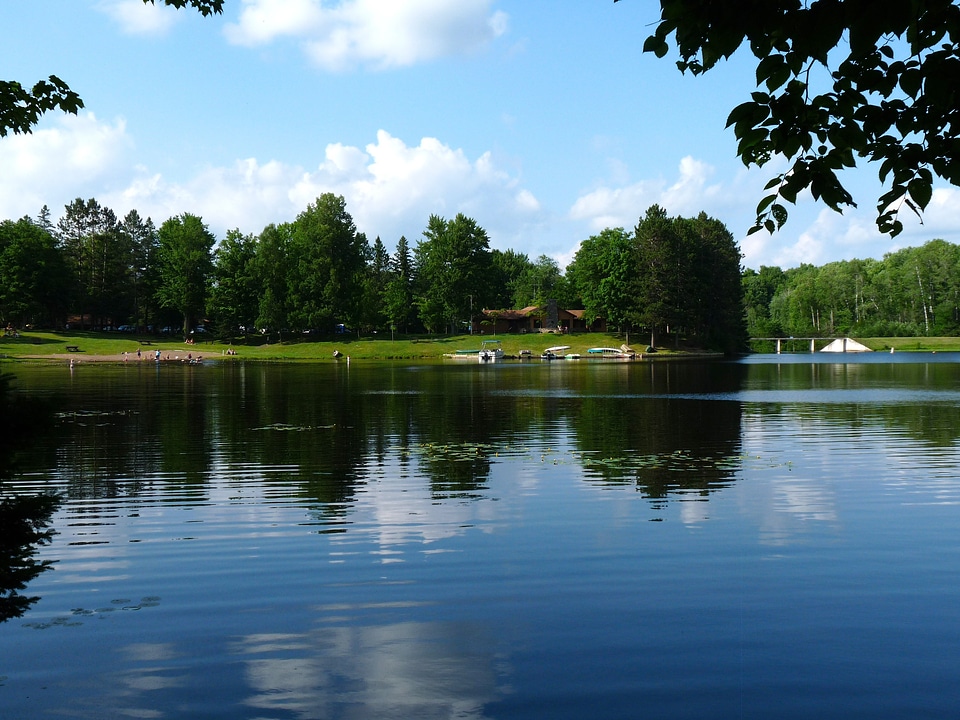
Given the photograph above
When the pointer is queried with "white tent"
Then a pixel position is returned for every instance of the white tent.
(841, 345)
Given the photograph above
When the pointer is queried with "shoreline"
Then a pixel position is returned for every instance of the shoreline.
(122, 359)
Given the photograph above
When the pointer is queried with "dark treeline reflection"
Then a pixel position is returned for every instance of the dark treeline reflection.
(326, 429)
(665, 426)
(24, 526)
(24, 518)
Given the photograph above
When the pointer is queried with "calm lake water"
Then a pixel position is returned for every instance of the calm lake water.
(773, 537)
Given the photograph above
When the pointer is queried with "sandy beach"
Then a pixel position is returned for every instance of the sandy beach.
(81, 357)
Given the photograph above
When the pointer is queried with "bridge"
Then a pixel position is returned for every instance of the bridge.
(780, 341)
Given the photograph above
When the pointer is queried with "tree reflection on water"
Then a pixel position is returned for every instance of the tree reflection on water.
(23, 520)
(23, 529)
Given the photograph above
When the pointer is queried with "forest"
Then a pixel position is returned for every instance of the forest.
(317, 275)
(678, 279)
(913, 292)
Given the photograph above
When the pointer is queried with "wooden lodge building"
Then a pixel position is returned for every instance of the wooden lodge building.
(536, 319)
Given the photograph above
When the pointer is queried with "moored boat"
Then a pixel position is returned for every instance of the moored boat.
(490, 350)
(552, 353)
(610, 352)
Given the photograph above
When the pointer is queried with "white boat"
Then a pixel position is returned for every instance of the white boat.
(490, 350)
(572, 356)
(552, 353)
(610, 352)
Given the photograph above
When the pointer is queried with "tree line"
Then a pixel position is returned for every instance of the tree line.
(318, 274)
(910, 292)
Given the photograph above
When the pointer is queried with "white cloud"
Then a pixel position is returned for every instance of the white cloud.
(813, 234)
(622, 207)
(54, 165)
(138, 18)
(390, 185)
(853, 234)
(391, 189)
(370, 33)
(941, 219)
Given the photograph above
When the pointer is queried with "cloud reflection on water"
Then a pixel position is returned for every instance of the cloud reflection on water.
(407, 669)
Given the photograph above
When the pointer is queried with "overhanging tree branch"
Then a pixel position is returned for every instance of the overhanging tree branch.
(21, 109)
(889, 92)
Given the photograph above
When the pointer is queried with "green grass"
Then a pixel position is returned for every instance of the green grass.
(297, 348)
(913, 344)
(403, 348)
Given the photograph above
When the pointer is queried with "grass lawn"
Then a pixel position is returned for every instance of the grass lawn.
(105, 344)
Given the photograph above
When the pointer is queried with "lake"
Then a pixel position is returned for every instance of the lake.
(777, 536)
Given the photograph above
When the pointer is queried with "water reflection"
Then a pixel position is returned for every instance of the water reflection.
(397, 670)
(468, 541)
(328, 432)
(24, 527)
(24, 518)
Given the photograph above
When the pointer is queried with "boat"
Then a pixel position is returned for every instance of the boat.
(610, 352)
(572, 356)
(490, 350)
(552, 353)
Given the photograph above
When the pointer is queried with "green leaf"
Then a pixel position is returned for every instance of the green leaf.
(765, 203)
(920, 192)
(656, 45)
(911, 81)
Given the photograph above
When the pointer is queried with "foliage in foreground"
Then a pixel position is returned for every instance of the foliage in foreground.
(837, 81)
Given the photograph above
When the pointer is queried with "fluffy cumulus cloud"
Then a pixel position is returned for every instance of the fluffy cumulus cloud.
(813, 234)
(688, 194)
(828, 236)
(52, 165)
(138, 18)
(370, 33)
(391, 188)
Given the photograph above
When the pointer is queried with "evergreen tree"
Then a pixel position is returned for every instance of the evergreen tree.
(143, 242)
(271, 266)
(398, 294)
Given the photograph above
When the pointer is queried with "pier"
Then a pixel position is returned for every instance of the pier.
(780, 341)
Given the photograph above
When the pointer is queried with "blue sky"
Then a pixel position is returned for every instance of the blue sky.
(540, 119)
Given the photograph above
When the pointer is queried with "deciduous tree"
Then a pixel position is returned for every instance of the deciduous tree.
(32, 275)
(453, 267)
(604, 272)
(838, 81)
(185, 266)
(326, 264)
(272, 270)
(233, 295)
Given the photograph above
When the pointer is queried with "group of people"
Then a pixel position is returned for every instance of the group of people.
(158, 356)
